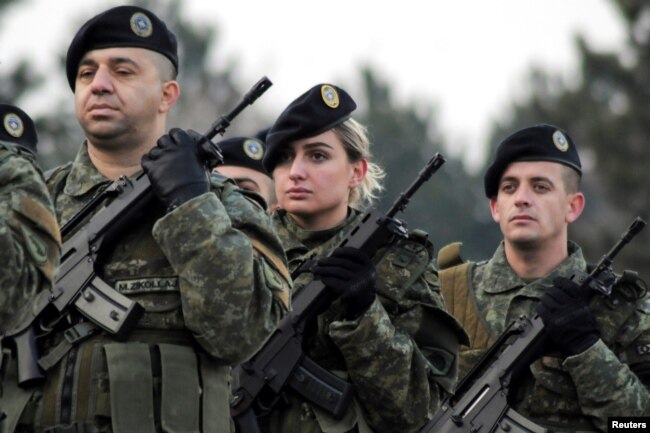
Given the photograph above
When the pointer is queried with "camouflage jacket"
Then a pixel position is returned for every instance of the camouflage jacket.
(577, 393)
(211, 276)
(29, 234)
(400, 355)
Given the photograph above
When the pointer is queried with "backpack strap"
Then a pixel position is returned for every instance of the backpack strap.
(454, 275)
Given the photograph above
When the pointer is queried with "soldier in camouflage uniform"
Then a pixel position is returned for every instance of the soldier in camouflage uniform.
(388, 332)
(30, 239)
(202, 260)
(597, 358)
(29, 233)
(242, 162)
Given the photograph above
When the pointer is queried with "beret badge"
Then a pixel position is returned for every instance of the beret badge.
(141, 25)
(560, 141)
(13, 125)
(330, 96)
(253, 149)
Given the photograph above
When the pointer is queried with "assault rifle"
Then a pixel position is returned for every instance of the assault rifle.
(480, 404)
(281, 362)
(77, 286)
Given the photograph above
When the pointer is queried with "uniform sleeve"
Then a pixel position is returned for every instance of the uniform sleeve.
(30, 242)
(615, 391)
(232, 272)
(401, 371)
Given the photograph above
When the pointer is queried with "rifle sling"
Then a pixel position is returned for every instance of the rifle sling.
(72, 336)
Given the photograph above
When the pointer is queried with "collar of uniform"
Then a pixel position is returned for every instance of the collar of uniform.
(298, 242)
(498, 276)
(83, 175)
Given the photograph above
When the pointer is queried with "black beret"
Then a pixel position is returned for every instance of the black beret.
(243, 152)
(319, 109)
(122, 26)
(535, 143)
(262, 133)
(17, 128)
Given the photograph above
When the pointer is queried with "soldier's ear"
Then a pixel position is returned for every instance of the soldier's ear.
(575, 206)
(494, 209)
(359, 170)
(170, 93)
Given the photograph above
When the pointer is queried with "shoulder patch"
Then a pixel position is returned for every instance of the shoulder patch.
(34, 211)
(35, 245)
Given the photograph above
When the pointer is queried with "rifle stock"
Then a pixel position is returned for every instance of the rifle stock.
(77, 286)
(281, 363)
(480, 404)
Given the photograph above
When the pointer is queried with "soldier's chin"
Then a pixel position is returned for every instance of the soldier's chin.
(100, 134)
(524, 241)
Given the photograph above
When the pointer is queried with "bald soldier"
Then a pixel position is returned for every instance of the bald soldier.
(242, 162)
(29, 241)
(596, 363)
(202, 259)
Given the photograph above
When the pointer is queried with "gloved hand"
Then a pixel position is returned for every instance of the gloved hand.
(570, 325)
(350, 274)
(175, 170)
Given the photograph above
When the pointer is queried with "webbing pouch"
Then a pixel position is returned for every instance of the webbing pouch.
(181, 394)
(216, 396)
(131, 387)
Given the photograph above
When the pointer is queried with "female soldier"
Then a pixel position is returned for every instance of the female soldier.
(387, 332)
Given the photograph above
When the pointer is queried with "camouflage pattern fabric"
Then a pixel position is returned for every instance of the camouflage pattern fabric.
(29, 234)
(577, 393)
(199, 277)
(397, 385)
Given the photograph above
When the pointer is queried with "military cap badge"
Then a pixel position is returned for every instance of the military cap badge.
(330, 96)
(253, 149)
(141, 25)
(560, 141)
(13, 125)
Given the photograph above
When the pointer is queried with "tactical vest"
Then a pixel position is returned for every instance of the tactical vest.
(455, 281)
(156, 380)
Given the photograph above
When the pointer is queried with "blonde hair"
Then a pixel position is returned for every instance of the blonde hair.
(354, 137)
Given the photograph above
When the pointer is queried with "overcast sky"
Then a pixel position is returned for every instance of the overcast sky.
(468, 58)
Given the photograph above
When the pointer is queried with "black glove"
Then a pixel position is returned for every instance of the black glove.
(175, 170)
(570, 325)
(350, 275)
